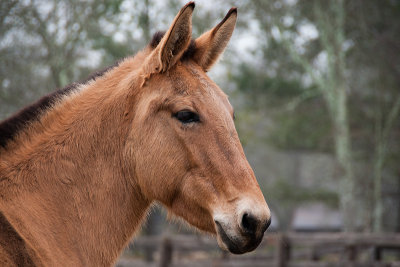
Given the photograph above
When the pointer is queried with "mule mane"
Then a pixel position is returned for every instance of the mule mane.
(9, 128)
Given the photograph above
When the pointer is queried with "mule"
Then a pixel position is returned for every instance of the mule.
(80, 168)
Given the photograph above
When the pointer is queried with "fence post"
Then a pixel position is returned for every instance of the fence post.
(314, 253)
(377, 253)
(351, 251)
(166, 252)
(282, 255)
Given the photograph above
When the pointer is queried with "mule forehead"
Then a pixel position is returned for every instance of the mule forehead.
(189, 79)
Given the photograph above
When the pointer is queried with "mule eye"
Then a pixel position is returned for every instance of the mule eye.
(186, 116)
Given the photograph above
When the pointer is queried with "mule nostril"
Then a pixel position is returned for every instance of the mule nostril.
(249, 223)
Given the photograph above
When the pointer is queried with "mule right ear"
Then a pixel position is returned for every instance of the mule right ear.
(211, 45)
(173, 44)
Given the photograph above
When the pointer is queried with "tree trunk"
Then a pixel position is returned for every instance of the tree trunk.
(378, 207)
(344, 159)
(337, 96)
(382, 129)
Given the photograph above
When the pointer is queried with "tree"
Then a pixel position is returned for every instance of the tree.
(345, 54)
(329, 79)
(375, 57)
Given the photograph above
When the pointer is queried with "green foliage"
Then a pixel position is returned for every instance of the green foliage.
(257, 83)
(304, 128)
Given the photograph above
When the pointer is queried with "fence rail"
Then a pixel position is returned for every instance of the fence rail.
(277, 249)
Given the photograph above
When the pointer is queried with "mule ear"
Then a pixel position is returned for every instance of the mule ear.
(210, 45)
(174, 42)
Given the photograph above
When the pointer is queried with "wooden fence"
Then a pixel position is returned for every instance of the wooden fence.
(277, 249)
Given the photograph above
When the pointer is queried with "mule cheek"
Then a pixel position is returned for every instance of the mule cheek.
(160, 181)
(158, 166)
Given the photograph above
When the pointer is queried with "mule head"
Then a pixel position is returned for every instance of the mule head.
(186, 150)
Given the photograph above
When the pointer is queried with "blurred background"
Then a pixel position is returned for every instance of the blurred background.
(315, 86)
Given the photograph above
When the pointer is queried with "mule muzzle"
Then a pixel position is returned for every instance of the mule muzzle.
(243, 238)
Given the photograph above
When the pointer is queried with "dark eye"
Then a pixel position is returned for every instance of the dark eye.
(186, 116)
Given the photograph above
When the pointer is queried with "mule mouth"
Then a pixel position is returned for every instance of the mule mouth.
(236, 245)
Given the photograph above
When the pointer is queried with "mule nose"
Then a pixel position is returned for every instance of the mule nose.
(250, 224)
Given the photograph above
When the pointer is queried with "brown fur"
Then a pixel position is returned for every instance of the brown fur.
(76, 182)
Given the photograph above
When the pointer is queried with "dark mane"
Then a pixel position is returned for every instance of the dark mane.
(10, 127)
(186, 55)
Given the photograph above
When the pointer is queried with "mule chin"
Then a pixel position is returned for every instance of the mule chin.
(237, 244)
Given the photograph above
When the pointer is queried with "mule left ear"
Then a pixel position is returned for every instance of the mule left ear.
(174, 43)
(210, 45)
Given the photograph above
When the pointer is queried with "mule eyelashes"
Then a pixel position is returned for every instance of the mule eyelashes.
(187, 116)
